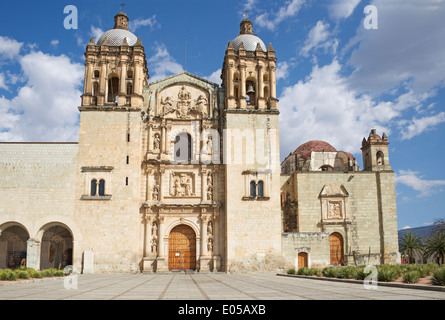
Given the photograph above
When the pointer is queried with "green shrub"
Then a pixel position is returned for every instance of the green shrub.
(387, 273)
(346, 273)
(302, 271)
(7, 275)
(291, 271)
(411, 277)
(330, 272)
(21, 274)
(46, 273)
(438, 278)
(59, 273)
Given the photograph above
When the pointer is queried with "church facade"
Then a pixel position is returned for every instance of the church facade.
(185, 174)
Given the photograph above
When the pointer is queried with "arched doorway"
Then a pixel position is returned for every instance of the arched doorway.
(182, 248)
(56, 248)
(302, 259)
(13, 247)
(336, 248)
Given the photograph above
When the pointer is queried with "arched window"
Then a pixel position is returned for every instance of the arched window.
(326, 168)
(129, 74)
(236, 77)
(183, 147)
(260, 189)
(101, 188)
(266, 92)
(113, 88)
(250, 92)
(129, 88)
(93, 188)
(252, 189)
(265, 77)
(380, 158)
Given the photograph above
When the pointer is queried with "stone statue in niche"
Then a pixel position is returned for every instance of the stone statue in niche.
(156, 141)
(154, 246)
(210, 194)
(155, 194)
(154, 230)
(210, 179)
(210, 244)
(209, 145)
(210, 228)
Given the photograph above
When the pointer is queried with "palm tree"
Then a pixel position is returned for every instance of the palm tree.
(435, 247)
(410, 244)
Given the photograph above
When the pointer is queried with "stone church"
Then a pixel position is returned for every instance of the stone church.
(184, 174)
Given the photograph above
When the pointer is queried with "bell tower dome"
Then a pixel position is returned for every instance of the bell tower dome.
(115, 68)
(248, 72)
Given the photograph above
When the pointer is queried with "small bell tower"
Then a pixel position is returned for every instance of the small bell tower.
(115, 68)
(375, 152)
(248, 73)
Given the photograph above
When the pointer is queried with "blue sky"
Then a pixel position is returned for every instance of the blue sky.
(336, 79)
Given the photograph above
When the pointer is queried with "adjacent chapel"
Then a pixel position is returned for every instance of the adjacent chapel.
(184, 174)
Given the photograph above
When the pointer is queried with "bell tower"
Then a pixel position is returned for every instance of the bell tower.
(248, 73)
(115, 68)
(375, 152)
(251, 149)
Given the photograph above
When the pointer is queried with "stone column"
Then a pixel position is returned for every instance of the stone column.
(88, 88)
(147, 191)
(243, 81)
(123, 77)
(203, 185)
(161, 192)
(230, 83)
(260, 91)
(33, 254)
(273, 89)
(204, 220)
(163, 138)
(162, 264)
(102, 98)
(149, 140)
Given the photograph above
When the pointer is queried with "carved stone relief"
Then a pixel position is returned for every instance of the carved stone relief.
(182, 184)
(184, 105)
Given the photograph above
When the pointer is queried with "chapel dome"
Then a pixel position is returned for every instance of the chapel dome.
(247, 38)
(315, 145)
(117, 35)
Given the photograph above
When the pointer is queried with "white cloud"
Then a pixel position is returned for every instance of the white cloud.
(215, 77)
(45, 108)
(319, 37)
(290, 9)
(9, 48)
(282, 70)
(416, 126)
(414, 180)
(137, 23)
(55, 43)
(407, 49)
(96, 32)
(323, 107)
(342, 9)
(162, 64)
(2, 82)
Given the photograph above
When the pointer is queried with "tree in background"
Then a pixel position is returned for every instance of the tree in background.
(409, 245)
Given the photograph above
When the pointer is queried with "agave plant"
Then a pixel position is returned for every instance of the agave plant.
(435, 247)
(410, 244)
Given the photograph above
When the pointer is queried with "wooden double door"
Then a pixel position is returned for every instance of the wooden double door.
(336, 249)
(182, 248)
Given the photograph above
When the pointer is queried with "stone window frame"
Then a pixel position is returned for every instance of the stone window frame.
(327, 199)
(256, 177)
(98, 174)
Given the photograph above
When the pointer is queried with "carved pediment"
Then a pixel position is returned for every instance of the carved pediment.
(334, 190)
(183, 102)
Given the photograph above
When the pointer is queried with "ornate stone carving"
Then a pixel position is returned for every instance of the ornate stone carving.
(184, 105)
(182, 184)
(156, 141)
(155, 194)
(334, 210)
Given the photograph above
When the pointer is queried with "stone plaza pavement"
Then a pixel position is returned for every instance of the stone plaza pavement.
(211, 286)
